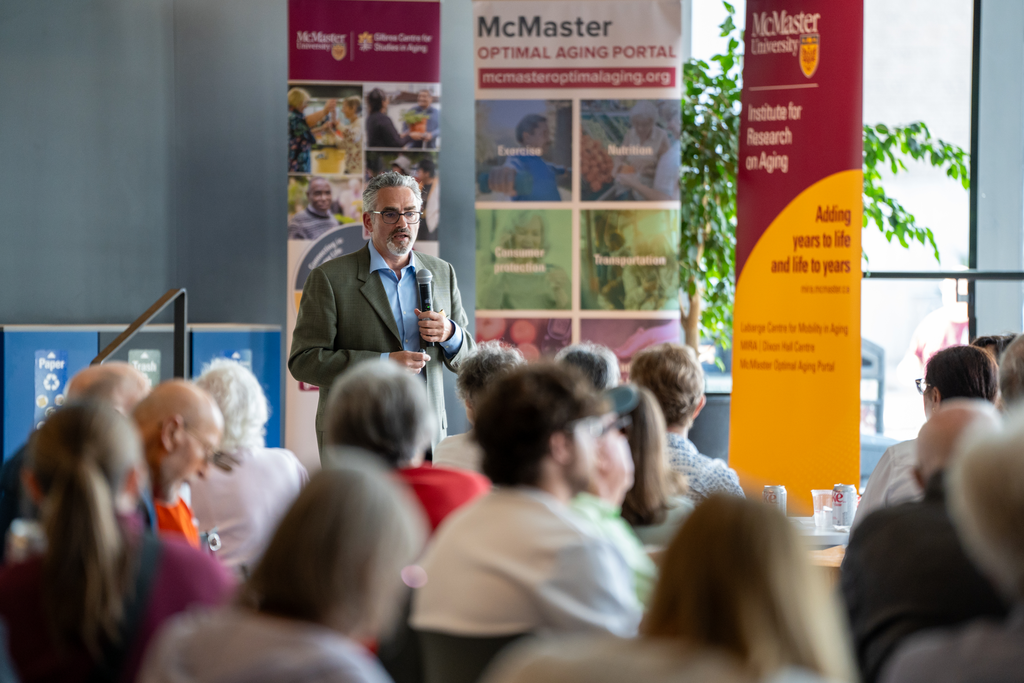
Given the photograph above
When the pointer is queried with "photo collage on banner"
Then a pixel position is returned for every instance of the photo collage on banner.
(363, 97)
(577, 173)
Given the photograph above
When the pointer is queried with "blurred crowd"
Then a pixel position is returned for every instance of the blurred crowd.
(575, 533)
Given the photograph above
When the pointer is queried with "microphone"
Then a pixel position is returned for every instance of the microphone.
(424, 280)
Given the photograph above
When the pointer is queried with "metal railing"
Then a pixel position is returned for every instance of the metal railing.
(180, 299)
(970, 276)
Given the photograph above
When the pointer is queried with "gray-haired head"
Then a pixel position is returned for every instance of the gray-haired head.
(241, 401)
(597, 362)
(382, 408)
(389, 179)
(490, 361)
(1011, 372)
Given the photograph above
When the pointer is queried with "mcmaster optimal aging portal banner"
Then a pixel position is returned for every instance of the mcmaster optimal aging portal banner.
(577, 173)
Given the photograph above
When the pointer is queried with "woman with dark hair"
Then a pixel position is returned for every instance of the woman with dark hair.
(655, 506)
(331, 578)
(380, 129)
(738, 600)
(953, 372)
(87, 607)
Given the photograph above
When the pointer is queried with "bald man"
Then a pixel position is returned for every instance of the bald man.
(116, 383)
(905, 569)
(181, 429)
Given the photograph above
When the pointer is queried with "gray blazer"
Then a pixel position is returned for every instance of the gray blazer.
(345, 318)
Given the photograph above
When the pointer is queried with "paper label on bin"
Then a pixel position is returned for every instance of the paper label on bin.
(51, 376)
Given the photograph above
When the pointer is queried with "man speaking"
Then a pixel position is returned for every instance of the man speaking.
(365, 306)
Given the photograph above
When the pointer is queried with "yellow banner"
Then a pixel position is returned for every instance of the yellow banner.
(796, 346)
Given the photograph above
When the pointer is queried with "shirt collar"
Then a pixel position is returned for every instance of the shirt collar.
(377, 261)
(681, 442)
(316, 213)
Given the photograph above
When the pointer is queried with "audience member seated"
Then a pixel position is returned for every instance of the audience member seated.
(489, 361)
(953, 372)
(250, 487)
(905, 569)
(87, 607)
(519, 560)
(995, 344)
(601, 503)
(656, 505)
(383, 409)
(737, 599)
(118, 384)
(597, 362)
(181, 429)
(673, 374)
(986, 502)
(1011, 374)
(329, 580)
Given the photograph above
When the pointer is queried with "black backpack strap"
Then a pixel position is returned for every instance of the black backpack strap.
(114, 656)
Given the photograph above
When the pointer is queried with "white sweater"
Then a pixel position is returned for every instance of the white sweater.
(517, 561)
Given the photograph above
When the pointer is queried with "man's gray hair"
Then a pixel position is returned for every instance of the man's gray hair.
(383, 408)
(1011, 372)
(986, 501)
(490, 361)
(598, 363)
(389, 179)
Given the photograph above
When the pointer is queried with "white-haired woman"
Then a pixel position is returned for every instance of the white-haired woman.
(245, 495)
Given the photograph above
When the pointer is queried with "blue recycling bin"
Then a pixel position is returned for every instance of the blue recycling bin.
(38, 361)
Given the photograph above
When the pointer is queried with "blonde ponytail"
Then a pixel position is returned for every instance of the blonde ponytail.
(80, 458)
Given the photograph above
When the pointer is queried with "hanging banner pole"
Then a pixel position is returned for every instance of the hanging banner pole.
(796, 341)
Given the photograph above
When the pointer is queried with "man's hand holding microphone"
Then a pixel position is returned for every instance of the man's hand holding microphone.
(434, 325)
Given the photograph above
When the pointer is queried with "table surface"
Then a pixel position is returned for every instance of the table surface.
(819, 538)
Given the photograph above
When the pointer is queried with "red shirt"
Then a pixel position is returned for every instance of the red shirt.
(441, 489)
(184, 577)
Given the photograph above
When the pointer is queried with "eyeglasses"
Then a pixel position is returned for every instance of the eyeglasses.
(210, 453)
(391, 217)
(922, 386)
(596, 427)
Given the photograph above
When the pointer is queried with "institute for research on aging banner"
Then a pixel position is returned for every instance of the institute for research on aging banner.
(577, 173)
(363, 97)
(796, 342)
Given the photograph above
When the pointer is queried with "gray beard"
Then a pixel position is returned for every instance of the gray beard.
(396, 250)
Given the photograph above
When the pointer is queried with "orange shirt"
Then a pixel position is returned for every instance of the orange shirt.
(177, 519)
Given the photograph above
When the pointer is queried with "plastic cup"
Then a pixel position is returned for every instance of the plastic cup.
(822, 508)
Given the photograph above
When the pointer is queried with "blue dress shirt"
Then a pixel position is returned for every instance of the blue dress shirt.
(403, 296)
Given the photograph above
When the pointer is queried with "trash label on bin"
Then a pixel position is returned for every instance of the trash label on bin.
(51, 371)
(146, 361)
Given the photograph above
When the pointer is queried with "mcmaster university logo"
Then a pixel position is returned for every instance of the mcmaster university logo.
(809, 53)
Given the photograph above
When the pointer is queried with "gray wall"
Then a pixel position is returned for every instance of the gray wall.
(86, 233)
(142, 148)
(458, 241)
